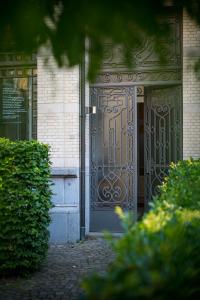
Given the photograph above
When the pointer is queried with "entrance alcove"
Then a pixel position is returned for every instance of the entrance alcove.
(136, 131)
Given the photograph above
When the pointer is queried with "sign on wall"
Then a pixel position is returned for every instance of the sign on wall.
(14, 97)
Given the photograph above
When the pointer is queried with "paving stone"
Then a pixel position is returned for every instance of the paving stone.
(61, 274)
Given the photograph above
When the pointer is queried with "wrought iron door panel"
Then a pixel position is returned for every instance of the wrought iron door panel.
(113, 155)
(163, 135)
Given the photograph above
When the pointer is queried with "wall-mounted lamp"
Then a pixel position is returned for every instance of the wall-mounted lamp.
(90, 110)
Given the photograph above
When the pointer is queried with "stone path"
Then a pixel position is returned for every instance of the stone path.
(62, 272)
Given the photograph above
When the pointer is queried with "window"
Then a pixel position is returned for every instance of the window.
(18, 97)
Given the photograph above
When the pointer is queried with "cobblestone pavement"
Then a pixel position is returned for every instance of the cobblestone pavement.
(61, 274)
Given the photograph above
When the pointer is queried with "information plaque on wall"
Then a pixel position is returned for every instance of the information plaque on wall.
(14, 108)
(13, 99)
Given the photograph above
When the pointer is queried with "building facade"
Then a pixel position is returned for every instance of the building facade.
(111, 141)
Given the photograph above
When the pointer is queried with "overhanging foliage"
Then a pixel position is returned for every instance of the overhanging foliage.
(25, 25)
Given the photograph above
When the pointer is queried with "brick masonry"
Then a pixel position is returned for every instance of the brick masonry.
(58, 111)
(191, 89)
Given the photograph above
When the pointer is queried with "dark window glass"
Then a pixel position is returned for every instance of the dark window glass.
(15, 113)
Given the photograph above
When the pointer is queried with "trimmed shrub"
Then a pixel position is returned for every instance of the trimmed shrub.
(158, 257)
(24, 205)
(182, 187)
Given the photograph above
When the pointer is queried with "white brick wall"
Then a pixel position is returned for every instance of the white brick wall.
(191, 89)
(58, 126)
(58, 111)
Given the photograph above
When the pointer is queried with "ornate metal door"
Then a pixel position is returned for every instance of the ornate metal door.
(113, 155)
(163, 134)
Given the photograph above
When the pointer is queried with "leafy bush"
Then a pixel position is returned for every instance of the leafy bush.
(24, 205)
(158, 258)
(182, 187)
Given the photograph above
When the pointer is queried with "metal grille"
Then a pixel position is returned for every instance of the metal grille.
(113, 149)
(147, 65)
(163, 135)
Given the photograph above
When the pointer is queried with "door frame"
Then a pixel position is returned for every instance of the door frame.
(145, 74)
(87, 132)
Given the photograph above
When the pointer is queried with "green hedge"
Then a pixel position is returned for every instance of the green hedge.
(24, 205)
(182, 187)
(158, 258)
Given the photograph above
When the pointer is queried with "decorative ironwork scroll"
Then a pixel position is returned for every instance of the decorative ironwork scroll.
(147, 64)
(128, 77)
(113, 148)
(144, 54)
(163, 134)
